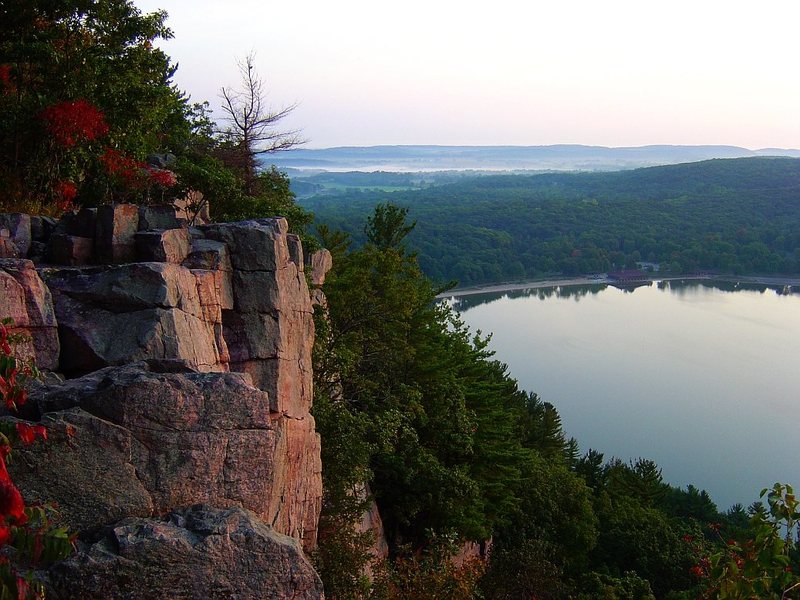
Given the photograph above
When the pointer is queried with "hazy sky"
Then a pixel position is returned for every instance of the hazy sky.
(605, 72)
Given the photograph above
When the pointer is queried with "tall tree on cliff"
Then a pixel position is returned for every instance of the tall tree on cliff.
(253, 126)
(442, 417)
(407, 398)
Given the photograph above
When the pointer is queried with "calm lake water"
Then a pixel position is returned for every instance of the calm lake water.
(702, 378)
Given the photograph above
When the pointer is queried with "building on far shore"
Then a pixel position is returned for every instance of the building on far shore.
(629, 276)
(629, 279)
(650, 267)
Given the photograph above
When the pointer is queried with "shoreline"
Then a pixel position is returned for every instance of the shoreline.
(573, 281)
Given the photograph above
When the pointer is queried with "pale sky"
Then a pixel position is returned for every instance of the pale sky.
(601, 72)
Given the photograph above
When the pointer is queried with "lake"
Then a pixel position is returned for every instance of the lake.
(701, 377)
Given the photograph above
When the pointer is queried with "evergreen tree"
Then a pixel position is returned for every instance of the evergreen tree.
(444, 418)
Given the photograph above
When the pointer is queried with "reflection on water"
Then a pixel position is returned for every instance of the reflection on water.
(683, 286)
(700, 376)
(575, 292)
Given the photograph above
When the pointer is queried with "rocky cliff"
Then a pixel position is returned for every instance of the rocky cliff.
(181, 445)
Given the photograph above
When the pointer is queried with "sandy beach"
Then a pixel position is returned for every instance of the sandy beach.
(553, 282)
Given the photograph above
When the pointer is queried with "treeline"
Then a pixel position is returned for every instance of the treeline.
(306, 184)
(408, 401)
(732, 216)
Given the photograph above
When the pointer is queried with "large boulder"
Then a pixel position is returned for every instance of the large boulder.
(113, 315)
(18, 227)
(158, 217)
(163, 245)
(170, 437)
(84, 468)
(28, 302)
(321, 262)
(200, 552)
(257, 245)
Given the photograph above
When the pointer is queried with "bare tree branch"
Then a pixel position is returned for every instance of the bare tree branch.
(253, 125)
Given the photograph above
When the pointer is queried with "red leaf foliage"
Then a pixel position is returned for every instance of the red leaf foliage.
(28, 433)
(71, 123)
(163, 177)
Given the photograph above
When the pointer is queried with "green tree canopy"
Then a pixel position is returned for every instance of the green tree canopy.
(80, 79)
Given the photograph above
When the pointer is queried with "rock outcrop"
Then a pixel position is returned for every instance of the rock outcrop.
(270, 295)
(371, 522)
(162, 440)
(27, 300)
(200, 552)
(113, 315)
(321, 262)
(16, 229)
(189, 382)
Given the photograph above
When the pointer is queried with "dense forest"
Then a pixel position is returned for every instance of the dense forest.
(731, 216)
(410, 401)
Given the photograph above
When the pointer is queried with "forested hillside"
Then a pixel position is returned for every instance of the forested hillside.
(409, 400)
(733, 215)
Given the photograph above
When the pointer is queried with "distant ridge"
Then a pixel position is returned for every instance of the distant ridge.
(559, 157)
(778, 152)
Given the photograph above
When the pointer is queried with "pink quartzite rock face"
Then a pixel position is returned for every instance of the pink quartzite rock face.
(200, 552)
(159, 421)
(270, 331)
(371, 522)
(258, 245)
(181, 438)
(25, 298)
(297, 510)
(163, 245)
(114, 315)
(116, 226)
(295, 249)
(472, 551)
(158, 217)
(87, 472)
(8, 249)
(321, 263)
(18, 227)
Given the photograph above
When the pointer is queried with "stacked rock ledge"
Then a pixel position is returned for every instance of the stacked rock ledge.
(187, 357)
